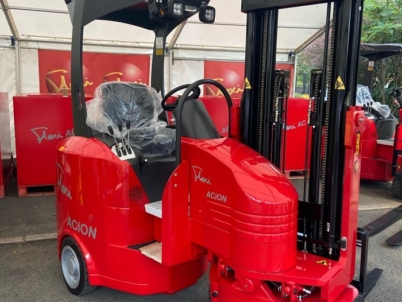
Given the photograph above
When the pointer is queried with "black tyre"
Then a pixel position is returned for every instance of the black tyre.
(74, 268)
(397, 186)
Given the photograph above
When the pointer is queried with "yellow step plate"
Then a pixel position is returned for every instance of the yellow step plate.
(153, 251)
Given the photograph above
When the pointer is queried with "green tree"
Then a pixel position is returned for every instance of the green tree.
(382, 24)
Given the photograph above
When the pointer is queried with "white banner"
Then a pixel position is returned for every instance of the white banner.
(187, 72)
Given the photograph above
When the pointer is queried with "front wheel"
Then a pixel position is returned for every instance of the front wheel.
(74, 268)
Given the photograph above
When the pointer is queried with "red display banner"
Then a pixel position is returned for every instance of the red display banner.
(98, 68)
(231, 75)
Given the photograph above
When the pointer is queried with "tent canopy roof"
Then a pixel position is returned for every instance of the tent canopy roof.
(49, 20)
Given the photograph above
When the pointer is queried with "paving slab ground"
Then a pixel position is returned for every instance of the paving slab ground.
(30, 271)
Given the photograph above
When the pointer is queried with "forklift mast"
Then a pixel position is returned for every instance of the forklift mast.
(149, 14)
(320, 218)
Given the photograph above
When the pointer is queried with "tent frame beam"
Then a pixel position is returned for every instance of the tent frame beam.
(10, 19)
(14, 31)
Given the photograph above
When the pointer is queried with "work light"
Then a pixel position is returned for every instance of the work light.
(176, 9)
(207, 14)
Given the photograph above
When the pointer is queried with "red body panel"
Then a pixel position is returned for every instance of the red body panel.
(5, 143)
(41, 123)
(224, 200)
(245, 207)
(99, 185)
(376, 158)
(332, 280)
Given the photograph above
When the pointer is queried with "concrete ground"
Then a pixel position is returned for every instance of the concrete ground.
(30, 271)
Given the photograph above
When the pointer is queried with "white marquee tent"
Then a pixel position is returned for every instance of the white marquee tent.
(45, 24)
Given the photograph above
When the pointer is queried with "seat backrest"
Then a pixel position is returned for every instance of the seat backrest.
(129, 102)
(196, 122)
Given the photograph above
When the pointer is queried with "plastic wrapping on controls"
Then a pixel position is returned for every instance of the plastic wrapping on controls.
(363, 97)
(116, 103)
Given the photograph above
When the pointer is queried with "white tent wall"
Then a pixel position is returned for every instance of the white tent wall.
(187, 65)
(29, 71)
(45, 24)
(8, 83)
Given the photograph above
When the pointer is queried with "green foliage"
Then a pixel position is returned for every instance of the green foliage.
(310, 58)
(382, 23)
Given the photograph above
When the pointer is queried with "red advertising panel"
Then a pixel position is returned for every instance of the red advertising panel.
(41, 123)
(231, 75)
(296, 145)
(54, 70)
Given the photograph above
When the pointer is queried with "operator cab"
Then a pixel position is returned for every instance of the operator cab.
(128, 117)
(385, 123)
(125, 116)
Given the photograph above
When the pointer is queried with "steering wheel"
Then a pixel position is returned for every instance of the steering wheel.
(180, 104)
(195, 93)
(397, 94)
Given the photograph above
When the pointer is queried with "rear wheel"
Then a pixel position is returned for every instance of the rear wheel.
(74, 268)
(397, 186)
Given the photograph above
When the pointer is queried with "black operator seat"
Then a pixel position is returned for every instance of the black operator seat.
(152, 143)
(140, 105)
(196, 122)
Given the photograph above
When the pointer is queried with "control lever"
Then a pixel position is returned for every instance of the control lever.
(371, 106)
(110, 129)
(128, 125)
(123, 147)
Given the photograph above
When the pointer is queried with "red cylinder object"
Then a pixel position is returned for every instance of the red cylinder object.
(243, 209)
(264, 228)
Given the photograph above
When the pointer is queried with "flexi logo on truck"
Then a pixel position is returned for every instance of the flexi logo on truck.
(198, 176)
(41, 133)
(60, 185)
(81, 228)
(299, 124)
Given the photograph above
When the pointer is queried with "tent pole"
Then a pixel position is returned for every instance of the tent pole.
(18, 65)
(294, 76)
(170, 69)
(10, 19)
(16, 36)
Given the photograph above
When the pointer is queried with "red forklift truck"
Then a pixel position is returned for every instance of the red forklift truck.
(149, 224)
(381, 141)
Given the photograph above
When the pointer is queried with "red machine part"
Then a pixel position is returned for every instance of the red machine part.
(313, 278)
(377, 155)
(41, 123)
(5, 144)
(376, 158)
(224, 200)
(109, 223)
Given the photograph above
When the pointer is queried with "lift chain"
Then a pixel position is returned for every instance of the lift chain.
(326, 120)
(261, 132)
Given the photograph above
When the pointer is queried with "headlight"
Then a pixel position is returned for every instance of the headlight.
(207, 14)
(176, 9)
